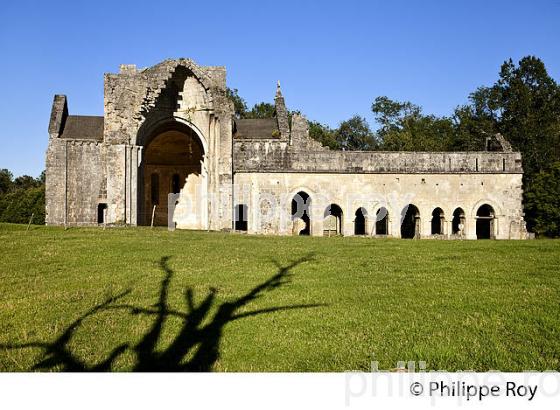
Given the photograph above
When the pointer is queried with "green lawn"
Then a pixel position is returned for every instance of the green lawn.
(141, 299)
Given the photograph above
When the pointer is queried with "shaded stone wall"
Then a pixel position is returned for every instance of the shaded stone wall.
(76, 181)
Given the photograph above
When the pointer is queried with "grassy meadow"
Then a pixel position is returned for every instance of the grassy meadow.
(140, 299)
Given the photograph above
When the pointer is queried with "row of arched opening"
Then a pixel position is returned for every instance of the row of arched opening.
(410, 220)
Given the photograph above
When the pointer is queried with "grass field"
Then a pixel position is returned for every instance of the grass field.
(141, 299)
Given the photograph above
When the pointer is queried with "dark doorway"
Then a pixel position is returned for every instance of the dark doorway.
(241, 217)
(458, 223)
(332, 224)
(360, 222)
(301, 204)
(382, 221)
(485, 217)
(101, 211)
(410, 222)
(437, 221)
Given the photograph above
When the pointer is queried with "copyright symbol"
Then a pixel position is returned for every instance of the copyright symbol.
(416, 389)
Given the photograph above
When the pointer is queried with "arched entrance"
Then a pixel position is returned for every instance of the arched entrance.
(458, 223)
(332, 224)
(360, 222)
(410, 222)
(382, 221)
(301, 210)
(438, 221)
(485, 217)
(172, 154)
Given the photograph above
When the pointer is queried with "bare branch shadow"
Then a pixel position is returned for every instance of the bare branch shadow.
(196, 347)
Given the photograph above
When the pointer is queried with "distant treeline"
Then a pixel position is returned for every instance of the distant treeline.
(523, 105)
(22, 197)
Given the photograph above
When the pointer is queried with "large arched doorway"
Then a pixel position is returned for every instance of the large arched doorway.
(410, 222)
(360, 222)
(382, 221)
(438, 221)
(332, 224)
(301, 210)
(485, 217)
(172, 154)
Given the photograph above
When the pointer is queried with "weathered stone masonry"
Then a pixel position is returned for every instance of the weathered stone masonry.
(170, 128)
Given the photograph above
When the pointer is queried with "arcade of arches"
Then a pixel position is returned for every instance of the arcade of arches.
(410, 227)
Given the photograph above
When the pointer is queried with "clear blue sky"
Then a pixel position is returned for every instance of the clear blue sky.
(332, 58)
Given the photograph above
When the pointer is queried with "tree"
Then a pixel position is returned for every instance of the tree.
(239, 104)
(261, 110)
(524, 106)
(526, 101)
(25, 182)
(403, 127)
(542, 201)
(22, 198)
(5, 181)
(355, 135)
(475, 121)
(324, 134)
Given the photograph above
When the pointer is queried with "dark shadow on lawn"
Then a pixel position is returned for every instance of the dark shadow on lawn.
(200, 342)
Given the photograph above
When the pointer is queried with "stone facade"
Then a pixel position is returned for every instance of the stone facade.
(170, 128)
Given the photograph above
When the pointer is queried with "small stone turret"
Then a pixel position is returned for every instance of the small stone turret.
(282, 114)
(59, 113)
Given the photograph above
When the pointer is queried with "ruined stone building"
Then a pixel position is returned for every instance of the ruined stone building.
(171, 128)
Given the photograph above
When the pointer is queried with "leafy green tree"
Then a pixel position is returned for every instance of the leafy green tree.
(524, 106)
(475, 121)
(239, 104)
(26, 182)
(526, 101)
(403, 127)
(355, 134)
(23, 197)
(5, 181)
(324, 134)
(261, 110)
(542, 201)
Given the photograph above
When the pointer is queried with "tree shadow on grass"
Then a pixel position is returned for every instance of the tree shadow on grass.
(196, 347)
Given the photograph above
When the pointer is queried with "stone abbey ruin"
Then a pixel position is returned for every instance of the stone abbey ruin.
(171, 128)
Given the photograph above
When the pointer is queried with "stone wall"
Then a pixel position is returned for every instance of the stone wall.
(136, 103)
(274, 156)
(101, 162)
(75, 180)
(269, 195)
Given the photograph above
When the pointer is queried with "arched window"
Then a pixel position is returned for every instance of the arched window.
(458, 223)
(485, 217)
(332, 224)
(241, 217)
(438, 221)
(360, 222)
(301, 212)
(154, 186)
(175, 183)
(410, 222)
(382, 221)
